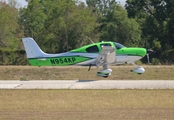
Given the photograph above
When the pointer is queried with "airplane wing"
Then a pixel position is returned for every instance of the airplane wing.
(106, 56)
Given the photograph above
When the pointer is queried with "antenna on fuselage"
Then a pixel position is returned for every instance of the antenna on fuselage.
(90, 40)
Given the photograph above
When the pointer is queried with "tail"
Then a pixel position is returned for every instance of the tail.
(32, 49)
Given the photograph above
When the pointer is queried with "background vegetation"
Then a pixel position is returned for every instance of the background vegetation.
(62, 25)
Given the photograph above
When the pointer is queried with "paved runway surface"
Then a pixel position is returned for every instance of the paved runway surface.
(87, 84)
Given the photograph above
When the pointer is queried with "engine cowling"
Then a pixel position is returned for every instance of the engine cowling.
(104, 73)
(138, 70)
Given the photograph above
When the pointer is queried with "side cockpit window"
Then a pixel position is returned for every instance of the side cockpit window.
(92, 49)
(118, 45)
(105, 44)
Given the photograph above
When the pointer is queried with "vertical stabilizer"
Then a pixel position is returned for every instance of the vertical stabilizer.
(32, 49)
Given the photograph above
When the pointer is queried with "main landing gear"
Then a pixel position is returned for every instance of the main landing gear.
(104, 73)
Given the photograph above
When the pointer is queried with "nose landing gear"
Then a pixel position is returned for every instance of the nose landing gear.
(138, 70)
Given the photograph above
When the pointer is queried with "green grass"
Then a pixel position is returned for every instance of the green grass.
(82, 73)
(87, 104)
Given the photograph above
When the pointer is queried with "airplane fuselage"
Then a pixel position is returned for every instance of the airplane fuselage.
(96, 54)
(84, 56)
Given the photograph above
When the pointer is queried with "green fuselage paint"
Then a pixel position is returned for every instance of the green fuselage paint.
(57, 61)
(76, 56)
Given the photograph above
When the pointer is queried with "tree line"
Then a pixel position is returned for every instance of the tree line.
(63, 25)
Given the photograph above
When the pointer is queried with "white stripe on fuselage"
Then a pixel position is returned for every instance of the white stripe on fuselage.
(120, 58)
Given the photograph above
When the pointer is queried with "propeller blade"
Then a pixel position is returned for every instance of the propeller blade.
(147, 57)
(149, 51)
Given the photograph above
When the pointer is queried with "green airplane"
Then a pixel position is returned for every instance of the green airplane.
(96, 54)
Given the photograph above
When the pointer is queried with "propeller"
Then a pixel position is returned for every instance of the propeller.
(149, 51)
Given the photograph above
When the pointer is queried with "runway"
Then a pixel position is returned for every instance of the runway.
(87, 84)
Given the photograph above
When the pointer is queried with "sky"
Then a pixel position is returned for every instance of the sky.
(23, 3)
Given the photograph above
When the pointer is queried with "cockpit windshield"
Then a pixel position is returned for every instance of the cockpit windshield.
(118, 45)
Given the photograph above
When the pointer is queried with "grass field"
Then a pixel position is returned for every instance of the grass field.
(87, 104)
(82, 73)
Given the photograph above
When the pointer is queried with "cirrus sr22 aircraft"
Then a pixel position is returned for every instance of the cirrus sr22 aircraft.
(96, 54)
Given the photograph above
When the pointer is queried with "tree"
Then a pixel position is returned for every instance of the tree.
(10, 32)
(156, 21)
(116, 26)
(57, 25)
(114, 23)
(33, 19)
